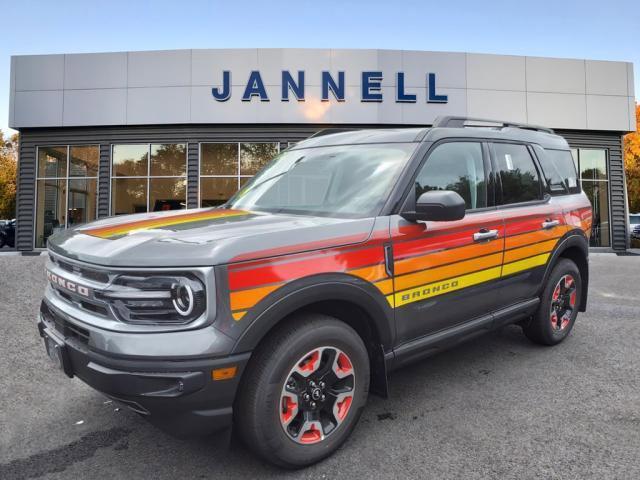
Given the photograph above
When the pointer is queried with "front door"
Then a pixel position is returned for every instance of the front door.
(445, 272)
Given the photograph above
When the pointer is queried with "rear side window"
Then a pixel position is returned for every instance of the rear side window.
(518, 174)
(560, 171)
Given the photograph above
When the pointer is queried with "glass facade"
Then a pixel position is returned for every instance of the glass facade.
(66, 188)
(148, 177)
(225, 167)
(591, 164)
(153, 177)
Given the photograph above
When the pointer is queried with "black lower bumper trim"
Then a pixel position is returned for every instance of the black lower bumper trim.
(179, 397)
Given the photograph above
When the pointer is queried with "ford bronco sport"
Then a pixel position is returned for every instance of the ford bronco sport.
(349, 255)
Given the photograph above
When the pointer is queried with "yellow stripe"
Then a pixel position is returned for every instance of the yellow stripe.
(440, 288)
(162, 221)
(430, 275)
(526, 264)
(238, 315)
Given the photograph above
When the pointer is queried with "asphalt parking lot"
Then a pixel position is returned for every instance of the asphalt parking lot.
(498, 407)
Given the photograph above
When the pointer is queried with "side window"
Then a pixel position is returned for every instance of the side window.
(455, 166)
(518, 174)
(560, 171)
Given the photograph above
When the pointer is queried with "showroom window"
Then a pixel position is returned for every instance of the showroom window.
(148, 177)
(225, 167)
(66, 188)
(592, 166)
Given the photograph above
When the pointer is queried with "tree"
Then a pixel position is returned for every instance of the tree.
(8, 176)
(632, 165)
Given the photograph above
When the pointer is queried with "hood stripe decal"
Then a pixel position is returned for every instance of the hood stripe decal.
(124, 228)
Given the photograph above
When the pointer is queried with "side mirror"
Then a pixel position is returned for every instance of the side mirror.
(437, 206)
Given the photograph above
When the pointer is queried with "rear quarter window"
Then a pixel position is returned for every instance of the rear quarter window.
(559, 171)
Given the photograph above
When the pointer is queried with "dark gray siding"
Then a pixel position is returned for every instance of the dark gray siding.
(194, 134)
(612, 142)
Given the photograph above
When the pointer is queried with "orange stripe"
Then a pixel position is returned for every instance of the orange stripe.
(238, 315)
(537, 236)
(164, 221)
(245, 299)
(385, 286)
(529, 251)
(448, 271)
(447, 256)
(370, 274)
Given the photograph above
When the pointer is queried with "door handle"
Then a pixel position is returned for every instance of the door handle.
(548, 223)
(484, 234)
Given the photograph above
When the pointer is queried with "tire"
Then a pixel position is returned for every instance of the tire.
(269, 411)
(2, 241)
(559, 304)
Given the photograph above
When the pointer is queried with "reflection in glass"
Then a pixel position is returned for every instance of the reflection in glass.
(82, 201)
(128, 195)
(593, 164)
(216, 191)
(130, 160)
(167, 194)
(52, 162)
(254, 156)
(84, 161)
(598, 193)
(50, 216)
(169, 159)
(219, 159)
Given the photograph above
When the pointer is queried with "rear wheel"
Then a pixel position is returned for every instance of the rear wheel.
(303, 391)
(558, 305)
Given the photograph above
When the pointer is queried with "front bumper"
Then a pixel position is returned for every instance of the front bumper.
(177, 395)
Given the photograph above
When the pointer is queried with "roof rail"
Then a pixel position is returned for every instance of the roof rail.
(329, 131)
(460, 122)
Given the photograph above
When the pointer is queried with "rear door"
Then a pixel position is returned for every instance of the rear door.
(444, 271)
(533, 221)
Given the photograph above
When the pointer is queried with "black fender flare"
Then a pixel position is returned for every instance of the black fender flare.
(574, 238)
(318, 288)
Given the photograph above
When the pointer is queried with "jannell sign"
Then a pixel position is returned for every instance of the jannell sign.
(290, 86)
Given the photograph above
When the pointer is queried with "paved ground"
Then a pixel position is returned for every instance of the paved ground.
(498, 407)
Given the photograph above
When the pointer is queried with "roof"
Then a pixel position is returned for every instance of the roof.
(409, 135)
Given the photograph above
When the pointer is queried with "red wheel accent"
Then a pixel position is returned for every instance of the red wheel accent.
(317, 395)
(563, 302)
(344, 364)
(310, 363)
(343, 407)
(312, 435)
(289, 409)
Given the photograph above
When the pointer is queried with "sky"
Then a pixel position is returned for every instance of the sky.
(569, 29)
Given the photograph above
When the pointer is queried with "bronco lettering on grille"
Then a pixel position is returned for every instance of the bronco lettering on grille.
(73, 287)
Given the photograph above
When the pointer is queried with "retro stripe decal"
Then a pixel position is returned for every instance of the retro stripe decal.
(427, 264)
(121, 229)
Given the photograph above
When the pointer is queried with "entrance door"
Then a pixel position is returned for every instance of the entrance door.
(444, 271)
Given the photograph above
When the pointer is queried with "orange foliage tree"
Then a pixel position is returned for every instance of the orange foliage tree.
(632, 165)
(8, 165)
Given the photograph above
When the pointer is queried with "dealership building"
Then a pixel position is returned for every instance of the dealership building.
(114, 133)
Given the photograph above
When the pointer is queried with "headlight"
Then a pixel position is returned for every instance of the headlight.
(162, 299)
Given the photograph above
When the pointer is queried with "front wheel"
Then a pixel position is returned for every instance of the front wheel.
(559, 304)
(303, 391)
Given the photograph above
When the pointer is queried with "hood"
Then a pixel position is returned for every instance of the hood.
(203, 237)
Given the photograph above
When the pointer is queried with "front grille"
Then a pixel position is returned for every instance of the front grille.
(84, 272)
(66, 328)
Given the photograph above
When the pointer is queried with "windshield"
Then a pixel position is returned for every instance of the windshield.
(634, 219)
(341, 181)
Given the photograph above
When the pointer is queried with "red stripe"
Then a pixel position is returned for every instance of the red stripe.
(440, 241)
(334, 261)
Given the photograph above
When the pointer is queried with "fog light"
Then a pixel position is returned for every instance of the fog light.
(224, 373)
